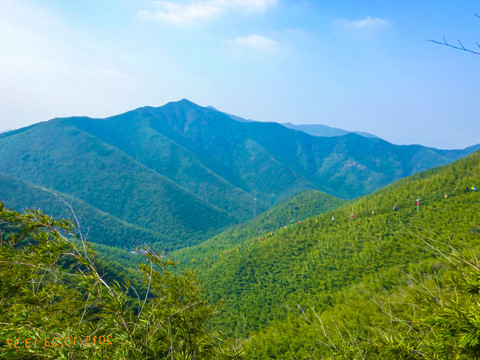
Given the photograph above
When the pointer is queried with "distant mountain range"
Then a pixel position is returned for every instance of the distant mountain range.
(324, 130)
(311, 129)
(178, 174)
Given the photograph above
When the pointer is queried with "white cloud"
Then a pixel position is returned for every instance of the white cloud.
(366, 23)
(196, 11)
(252, 5)
(256, 42)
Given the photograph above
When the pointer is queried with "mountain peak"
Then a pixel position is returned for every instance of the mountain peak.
(184, 102)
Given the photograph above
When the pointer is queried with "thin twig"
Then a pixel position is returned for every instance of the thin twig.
(461, 47)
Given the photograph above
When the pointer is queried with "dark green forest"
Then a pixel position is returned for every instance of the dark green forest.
(391, 275)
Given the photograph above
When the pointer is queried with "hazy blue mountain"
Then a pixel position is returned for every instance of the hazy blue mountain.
(324, 130)
(234, 117)
(311, 129)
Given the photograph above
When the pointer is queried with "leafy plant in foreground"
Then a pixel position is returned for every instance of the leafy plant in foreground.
(51, 291)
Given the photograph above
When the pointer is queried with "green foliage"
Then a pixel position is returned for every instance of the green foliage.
(436, 317)
(301, 206)
(357, 273)
(55, 303)
(366, 286)
(449, 317)
(103, 228)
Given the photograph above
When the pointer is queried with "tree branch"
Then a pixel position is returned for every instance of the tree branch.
(461, 47)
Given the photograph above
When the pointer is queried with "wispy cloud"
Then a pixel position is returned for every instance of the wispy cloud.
(365, 23)
(255, 42)
(197, 11)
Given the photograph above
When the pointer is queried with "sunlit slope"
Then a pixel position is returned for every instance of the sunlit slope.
(315, 260)
(288, 212)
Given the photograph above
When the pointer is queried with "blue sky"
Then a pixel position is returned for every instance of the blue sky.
(356, 65)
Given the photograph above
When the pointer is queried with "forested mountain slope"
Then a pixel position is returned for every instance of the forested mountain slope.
(73, 162)
(94, 223)
(288, 212)
(187, 172)
(338, 262)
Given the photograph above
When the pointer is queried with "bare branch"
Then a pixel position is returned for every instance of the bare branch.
(461, 47)
(78, 226)
(70, 206)
(444, 43)
(150, 276)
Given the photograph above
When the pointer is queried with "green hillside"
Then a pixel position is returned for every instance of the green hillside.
(342, 267)
(102, 227)
(158, 148)
(111, 181)
(301, 206)
(182, 173)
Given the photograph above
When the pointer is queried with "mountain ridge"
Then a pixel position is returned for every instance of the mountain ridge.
(311, 129)
(324, 130)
